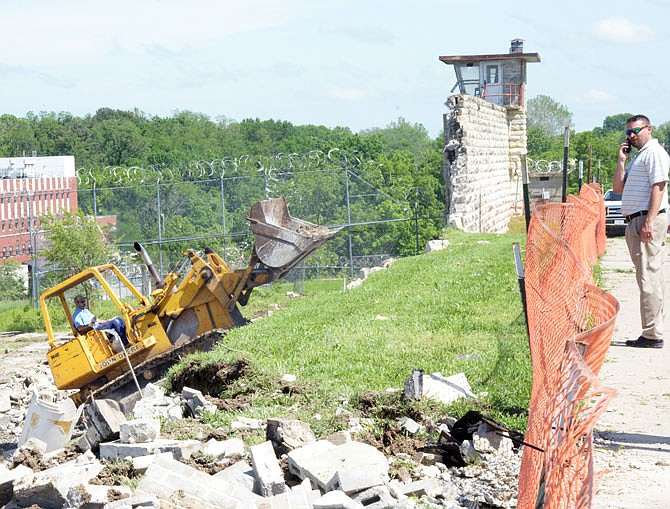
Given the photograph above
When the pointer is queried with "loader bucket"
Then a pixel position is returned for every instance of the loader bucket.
(282, 241)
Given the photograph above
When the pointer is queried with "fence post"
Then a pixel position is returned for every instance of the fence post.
(223, 218)
(351, 253)
(158, 218)
(416, 226)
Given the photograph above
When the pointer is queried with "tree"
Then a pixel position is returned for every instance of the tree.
(12, 286)
(120, 142)
(615, 123)
(76, 242)
(547, 115)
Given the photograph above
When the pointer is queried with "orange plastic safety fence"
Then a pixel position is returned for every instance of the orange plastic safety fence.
(570, 324)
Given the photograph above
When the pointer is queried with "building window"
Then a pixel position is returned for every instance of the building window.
(11, 249)
(4, 252)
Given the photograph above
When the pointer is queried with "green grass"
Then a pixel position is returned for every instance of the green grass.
(456, 310)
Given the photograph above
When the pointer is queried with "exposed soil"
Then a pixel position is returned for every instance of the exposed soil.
(210, 379)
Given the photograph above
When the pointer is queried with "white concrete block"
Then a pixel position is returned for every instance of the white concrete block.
(139, 431)
(224, 448)
(446, 389)
(267, 470)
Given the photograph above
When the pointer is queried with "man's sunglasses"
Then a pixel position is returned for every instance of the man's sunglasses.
(635, 130)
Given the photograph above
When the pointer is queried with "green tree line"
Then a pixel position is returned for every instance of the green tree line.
(405, 181)
(546, 124)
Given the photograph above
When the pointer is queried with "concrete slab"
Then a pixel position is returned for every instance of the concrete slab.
(267, 470)
(177, 485)
(357, 456)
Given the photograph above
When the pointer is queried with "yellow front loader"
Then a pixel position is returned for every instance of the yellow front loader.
(187, 311)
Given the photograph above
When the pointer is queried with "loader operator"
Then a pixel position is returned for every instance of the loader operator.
(84, 321)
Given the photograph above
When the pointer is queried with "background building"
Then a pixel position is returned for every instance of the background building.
(29, 188)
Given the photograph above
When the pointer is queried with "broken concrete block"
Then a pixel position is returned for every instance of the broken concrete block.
(224, 448)
(240, 473)
(49, 488)
(377, 497)
(106, 416)
(7, 479)
(322, 468)
(360, 478)
(267, 470)
(177, 485)
(414, 385)
(421, 488)
(34, 446)
(487, 439)
(296, 457)
(196, 401)
(141, 463)
(104, 419)
(409, 425)
(435, 245)
(179, 449)
(5, 401)
(446, 389)
(93, 496)
(139, 431)
(288, 434)
(339, 437)
(468, 452)
(336, 500)
(155, 404)
(89, 440)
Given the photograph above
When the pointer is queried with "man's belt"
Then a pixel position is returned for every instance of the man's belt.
(641, 213)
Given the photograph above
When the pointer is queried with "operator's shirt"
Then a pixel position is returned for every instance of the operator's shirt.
(647, 167)
(82, 317)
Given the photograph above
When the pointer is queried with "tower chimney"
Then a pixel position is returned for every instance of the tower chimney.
(517, 46)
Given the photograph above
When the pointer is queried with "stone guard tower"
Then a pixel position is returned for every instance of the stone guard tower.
(485, 139)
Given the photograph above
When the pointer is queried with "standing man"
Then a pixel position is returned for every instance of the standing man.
(644, 203)
(84, 321)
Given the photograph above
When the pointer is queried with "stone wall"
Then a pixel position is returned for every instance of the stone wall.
(485, 146)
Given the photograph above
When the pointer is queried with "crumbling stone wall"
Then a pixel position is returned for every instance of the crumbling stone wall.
(485, 146)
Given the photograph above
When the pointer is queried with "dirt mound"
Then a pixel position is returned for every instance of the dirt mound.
(210, 378)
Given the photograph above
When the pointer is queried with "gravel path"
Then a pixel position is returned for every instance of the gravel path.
(633, 437)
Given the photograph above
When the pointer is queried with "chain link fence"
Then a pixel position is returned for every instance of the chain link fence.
(205, 204)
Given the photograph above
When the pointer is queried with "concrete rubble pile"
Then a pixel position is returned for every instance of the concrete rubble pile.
(291, 469)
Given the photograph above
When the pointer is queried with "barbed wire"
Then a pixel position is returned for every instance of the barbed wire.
(271, 166)
(543, 166)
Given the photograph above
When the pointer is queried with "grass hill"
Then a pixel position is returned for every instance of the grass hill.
(451, 311)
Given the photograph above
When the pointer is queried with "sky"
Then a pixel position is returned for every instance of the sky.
(360, 64)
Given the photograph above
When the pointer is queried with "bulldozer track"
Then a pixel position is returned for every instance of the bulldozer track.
(159, 363)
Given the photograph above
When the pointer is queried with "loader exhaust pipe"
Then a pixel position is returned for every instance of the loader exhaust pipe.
(150, 266)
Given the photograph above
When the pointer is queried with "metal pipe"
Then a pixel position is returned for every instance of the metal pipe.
(150, 266)
(566, 146)
(526, 192)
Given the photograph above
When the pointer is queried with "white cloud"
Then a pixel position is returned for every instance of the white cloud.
(600, 96)
(623, 31)
(70, 32)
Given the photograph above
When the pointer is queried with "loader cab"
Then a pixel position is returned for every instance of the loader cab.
(62, 296)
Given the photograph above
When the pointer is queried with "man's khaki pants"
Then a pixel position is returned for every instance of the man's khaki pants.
(648, 261)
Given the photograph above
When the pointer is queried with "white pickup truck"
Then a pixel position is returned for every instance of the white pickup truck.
(615, 223)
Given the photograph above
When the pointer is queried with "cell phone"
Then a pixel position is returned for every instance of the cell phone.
(628, 147)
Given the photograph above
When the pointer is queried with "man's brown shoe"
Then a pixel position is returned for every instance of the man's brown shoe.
(643, 342)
